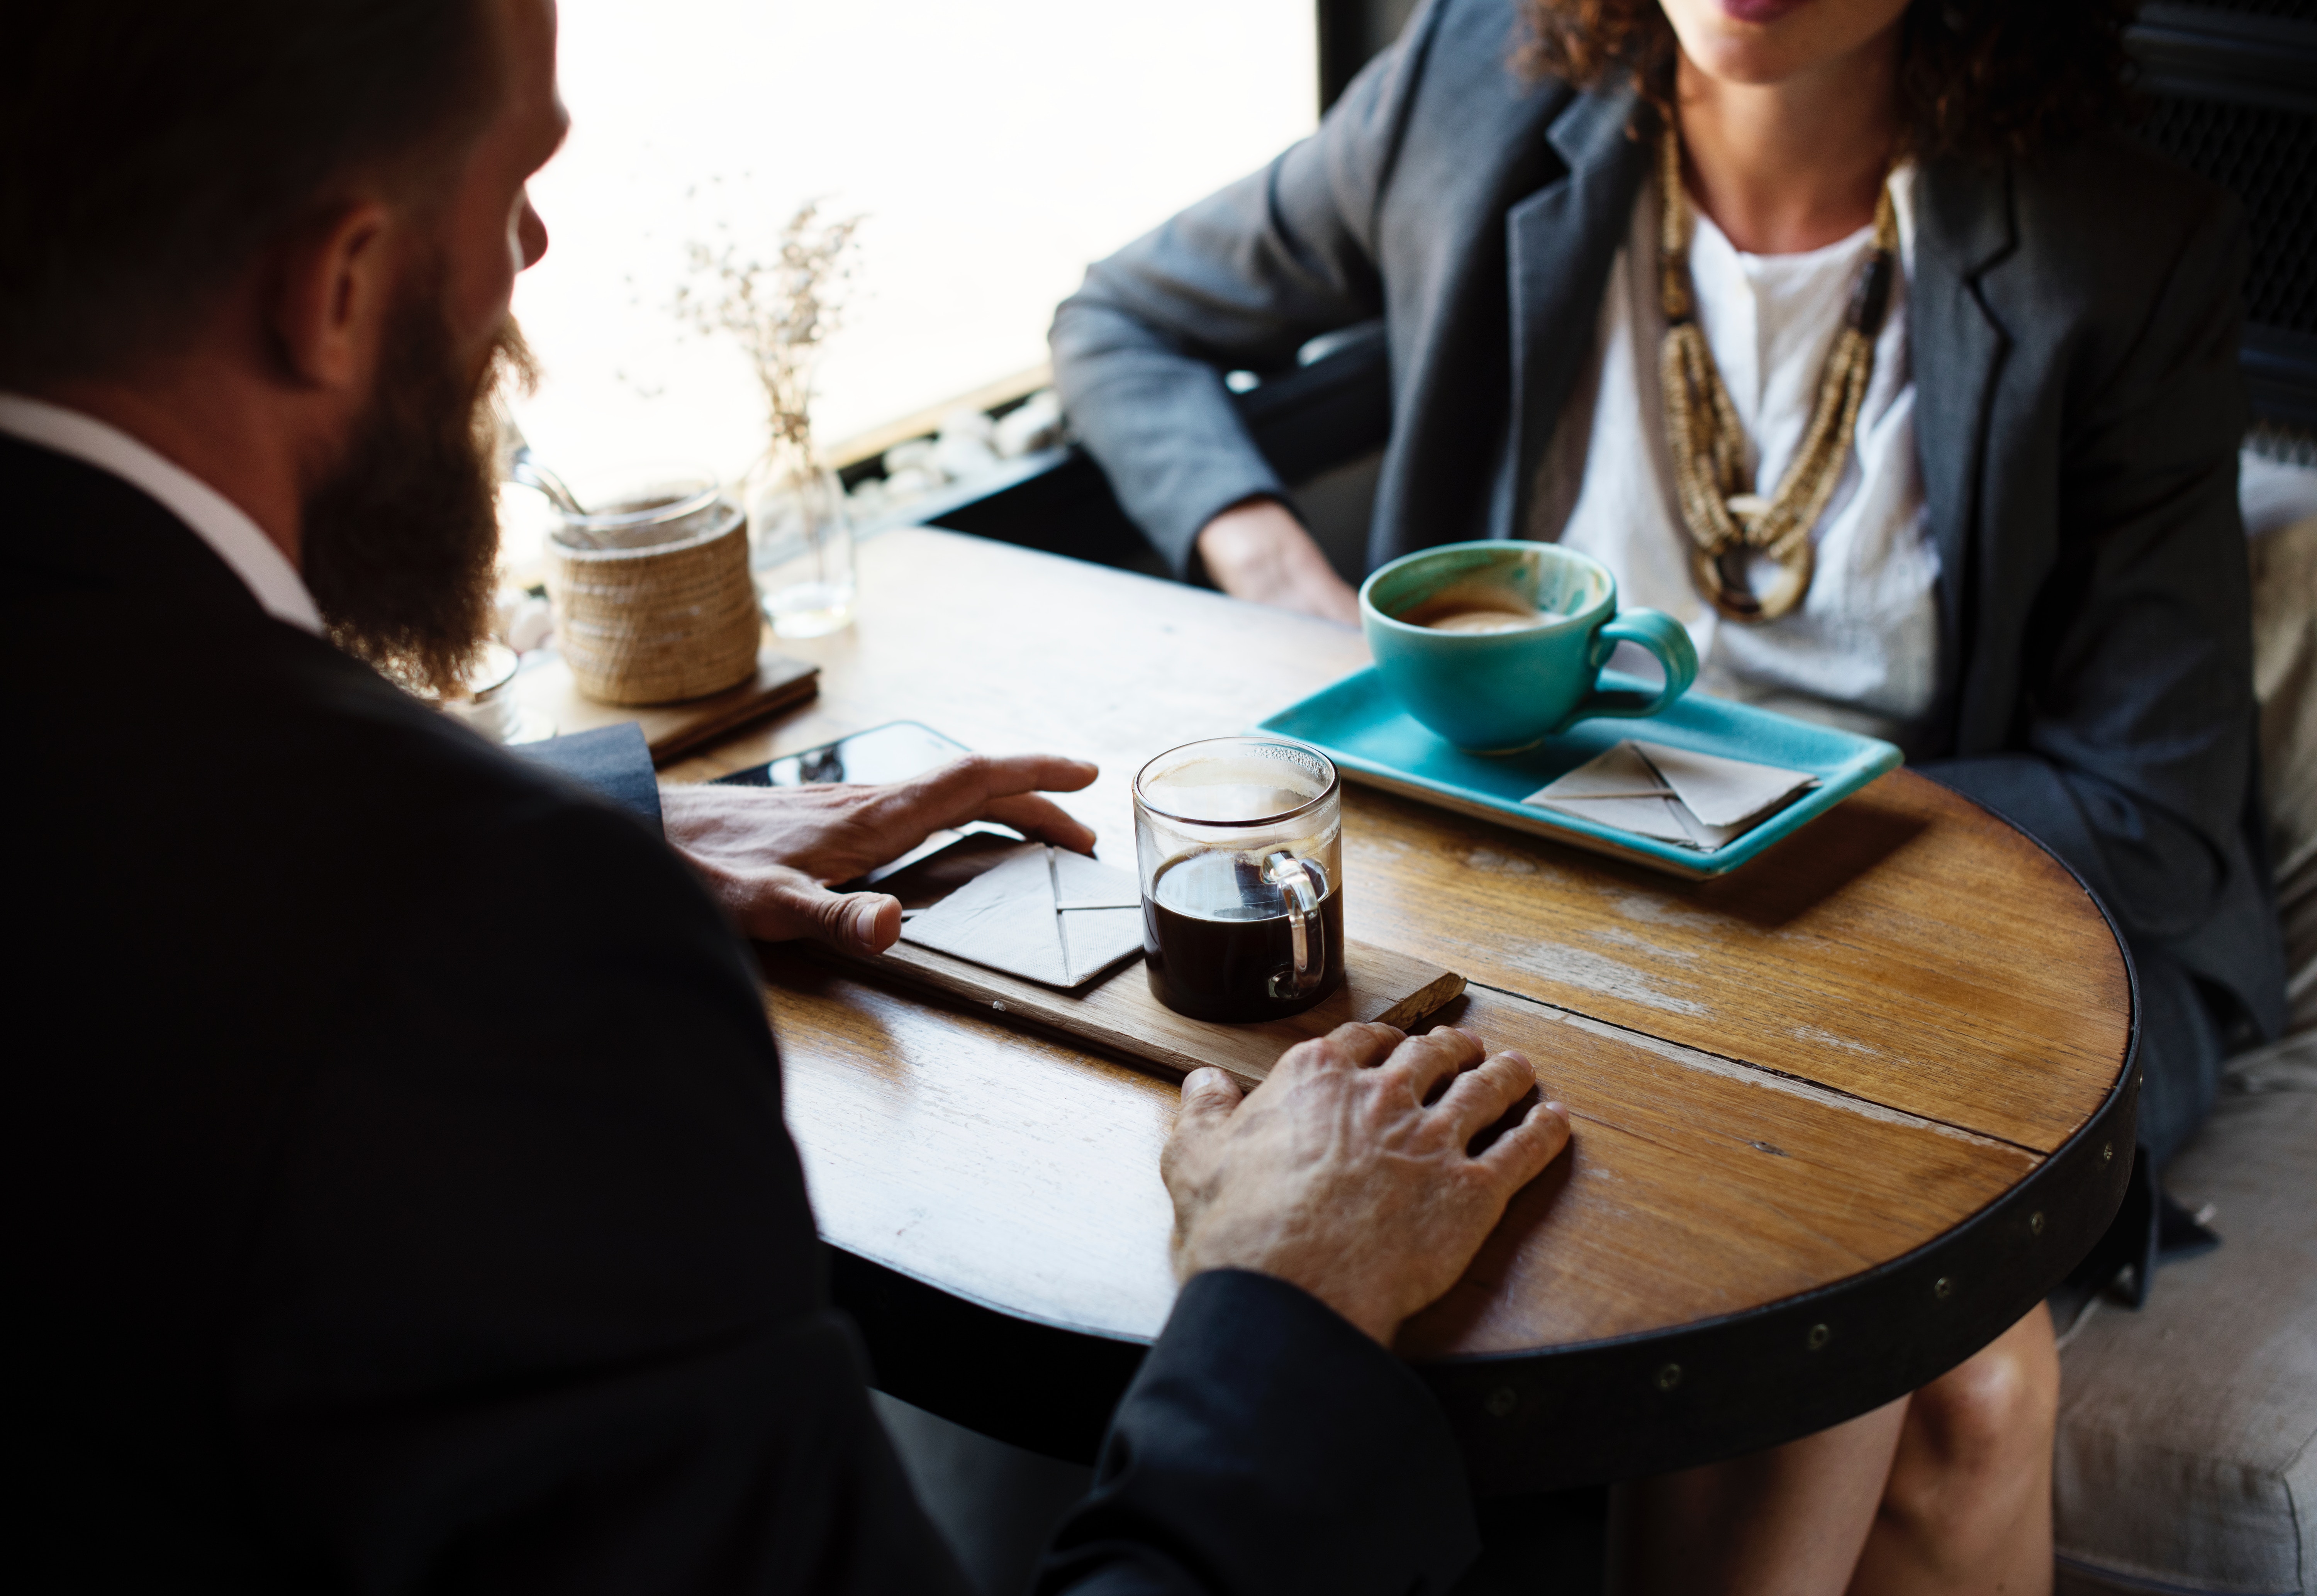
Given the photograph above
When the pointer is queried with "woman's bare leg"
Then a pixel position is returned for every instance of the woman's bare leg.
(1948, 1491)
(1789, 1522)
(1969, 1503)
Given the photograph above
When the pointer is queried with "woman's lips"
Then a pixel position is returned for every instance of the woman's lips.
(1759, 11)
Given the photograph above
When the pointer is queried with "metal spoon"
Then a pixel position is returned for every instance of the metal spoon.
(523, 468)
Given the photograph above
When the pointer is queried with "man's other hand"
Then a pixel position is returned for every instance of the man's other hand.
(771, 854)
(1257, 551)
(1335, 1174)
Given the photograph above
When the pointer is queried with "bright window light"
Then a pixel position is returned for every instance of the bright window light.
(995, 147)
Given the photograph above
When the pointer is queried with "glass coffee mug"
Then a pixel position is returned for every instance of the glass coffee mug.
(1240, 845)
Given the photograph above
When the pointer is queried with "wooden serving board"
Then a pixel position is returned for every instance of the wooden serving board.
(547, 691)
(1119, 1014)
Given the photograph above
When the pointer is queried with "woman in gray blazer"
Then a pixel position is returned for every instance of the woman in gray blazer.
(2015, 548)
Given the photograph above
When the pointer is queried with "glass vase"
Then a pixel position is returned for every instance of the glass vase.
(800, 544)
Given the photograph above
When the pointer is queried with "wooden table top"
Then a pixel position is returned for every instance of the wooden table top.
(1802, 1075)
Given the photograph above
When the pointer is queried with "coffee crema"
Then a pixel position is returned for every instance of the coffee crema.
(1466, 608)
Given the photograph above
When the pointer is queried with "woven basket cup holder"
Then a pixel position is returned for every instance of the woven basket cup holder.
(660, 623)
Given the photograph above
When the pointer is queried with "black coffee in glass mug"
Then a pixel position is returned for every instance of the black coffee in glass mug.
(1239, 844)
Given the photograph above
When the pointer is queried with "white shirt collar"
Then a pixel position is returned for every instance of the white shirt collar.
(215, 519)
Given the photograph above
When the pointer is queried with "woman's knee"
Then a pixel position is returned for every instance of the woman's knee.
(1990, 1420)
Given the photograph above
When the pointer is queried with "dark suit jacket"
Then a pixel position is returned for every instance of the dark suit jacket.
(2072, 331)
(399, 1197)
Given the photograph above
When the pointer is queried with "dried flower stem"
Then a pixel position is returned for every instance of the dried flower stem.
(781, 311)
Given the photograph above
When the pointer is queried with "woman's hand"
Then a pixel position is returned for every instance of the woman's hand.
(771, 854)
(1257, 550)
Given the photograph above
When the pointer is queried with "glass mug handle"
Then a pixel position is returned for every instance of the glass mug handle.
(1303, 883)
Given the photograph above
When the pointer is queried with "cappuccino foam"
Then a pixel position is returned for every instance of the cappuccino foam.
(1469, 607)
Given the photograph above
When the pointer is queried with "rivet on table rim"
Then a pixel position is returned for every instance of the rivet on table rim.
(1669, 1377)
(1501, 1402)
(2035, 1223)
(1943, 1288)
(1819, 1336)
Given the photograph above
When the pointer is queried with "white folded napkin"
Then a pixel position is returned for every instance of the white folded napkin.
(1699, 800)
(1044, 914)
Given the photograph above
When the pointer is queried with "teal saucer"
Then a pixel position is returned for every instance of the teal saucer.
(1359, 724)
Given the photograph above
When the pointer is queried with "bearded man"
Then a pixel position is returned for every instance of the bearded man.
(401, 1200)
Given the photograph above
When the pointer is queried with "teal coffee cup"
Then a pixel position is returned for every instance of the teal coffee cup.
(1497, 646)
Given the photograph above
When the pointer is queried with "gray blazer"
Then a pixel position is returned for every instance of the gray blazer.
(2073, 326)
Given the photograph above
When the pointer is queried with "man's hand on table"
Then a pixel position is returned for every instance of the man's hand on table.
(1257, 551)
(771, 854)
(1336, 1176)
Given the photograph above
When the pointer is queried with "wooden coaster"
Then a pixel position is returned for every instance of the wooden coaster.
(547, 691)
(1120, 1015)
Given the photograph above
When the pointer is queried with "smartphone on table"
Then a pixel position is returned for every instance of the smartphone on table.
(893, 753)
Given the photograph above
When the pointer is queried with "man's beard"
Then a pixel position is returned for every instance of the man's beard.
(400, 538)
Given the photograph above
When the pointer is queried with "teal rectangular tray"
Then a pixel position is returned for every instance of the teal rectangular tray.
(1359, 724)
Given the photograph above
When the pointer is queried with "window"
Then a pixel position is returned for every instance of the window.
(995, 146)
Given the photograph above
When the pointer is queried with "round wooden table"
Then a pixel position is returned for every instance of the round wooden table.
(1840, 1117)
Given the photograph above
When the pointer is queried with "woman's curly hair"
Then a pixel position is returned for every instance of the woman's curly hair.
(1980, 78)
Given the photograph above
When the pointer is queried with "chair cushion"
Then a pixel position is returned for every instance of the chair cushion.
(2184, 1458)
(2285, 673)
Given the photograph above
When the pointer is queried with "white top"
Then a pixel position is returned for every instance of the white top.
(1861, 651)
(215, 519)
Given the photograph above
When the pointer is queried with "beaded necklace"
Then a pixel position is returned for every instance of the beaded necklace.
(1728, 521)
